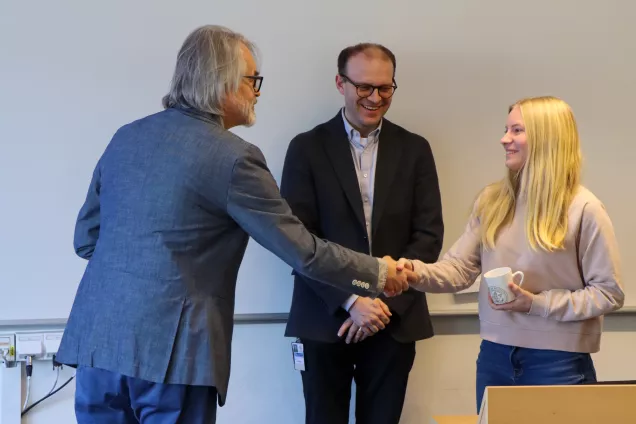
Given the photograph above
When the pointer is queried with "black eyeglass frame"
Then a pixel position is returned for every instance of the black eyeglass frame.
(373, 87)
(257, 81)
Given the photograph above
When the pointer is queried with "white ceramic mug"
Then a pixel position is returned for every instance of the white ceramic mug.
(497, 280)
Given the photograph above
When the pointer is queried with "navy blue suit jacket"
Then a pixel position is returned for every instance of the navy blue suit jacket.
(320, 184)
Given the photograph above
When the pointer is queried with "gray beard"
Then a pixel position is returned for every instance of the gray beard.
(247, 112)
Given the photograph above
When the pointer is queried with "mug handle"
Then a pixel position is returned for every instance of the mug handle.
(518, 273)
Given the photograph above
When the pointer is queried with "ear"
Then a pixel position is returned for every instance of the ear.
(340, 84)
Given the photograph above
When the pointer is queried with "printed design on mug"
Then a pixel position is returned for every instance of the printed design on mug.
(498, 295)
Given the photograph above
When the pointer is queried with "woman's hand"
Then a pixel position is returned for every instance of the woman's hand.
(522, 302)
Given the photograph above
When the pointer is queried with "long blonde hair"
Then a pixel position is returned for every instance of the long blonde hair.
(547, 182)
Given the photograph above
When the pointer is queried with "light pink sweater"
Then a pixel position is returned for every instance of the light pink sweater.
(573, 288)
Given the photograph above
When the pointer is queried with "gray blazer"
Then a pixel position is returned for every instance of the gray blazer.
(166, 221)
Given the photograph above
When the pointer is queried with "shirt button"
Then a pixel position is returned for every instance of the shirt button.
(365, 175)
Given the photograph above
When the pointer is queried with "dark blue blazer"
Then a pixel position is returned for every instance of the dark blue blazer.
(321, 186)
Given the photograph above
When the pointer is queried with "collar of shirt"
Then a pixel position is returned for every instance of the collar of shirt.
(354, 135)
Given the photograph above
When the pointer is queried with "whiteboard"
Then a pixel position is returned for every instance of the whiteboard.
(72, 72)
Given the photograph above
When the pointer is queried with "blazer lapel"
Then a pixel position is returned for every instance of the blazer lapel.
(388, 160)
(339, 152)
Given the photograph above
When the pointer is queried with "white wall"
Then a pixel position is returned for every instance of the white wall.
(73, 71)
(264, 387)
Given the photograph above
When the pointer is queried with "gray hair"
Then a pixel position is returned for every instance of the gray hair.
(210, 65)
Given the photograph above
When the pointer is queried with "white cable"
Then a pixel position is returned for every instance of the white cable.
(29, 371)
(57, 377)
(28, 393)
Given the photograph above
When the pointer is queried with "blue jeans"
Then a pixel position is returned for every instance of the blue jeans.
(104, 397)
(501, 365)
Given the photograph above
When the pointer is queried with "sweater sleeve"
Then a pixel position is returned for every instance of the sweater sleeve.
(459, 267)
(599, 259)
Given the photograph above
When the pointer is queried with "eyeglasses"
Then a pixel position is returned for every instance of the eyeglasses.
(257, 81)
(365, 90)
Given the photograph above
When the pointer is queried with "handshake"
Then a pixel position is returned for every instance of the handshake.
(369, 316)
(399, 277)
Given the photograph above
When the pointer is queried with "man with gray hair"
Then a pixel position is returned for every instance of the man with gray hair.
(171, 205)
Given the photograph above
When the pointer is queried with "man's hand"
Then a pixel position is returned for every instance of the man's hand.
(397, 280)
(370, 314)
(355, 333)
(403, 264)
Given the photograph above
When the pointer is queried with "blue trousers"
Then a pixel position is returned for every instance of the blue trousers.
(500, 365)
(105, 397)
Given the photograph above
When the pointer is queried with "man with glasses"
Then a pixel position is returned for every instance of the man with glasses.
(368, 184)
(171, 205)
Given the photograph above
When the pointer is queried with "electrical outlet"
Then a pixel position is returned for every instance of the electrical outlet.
(52, 342)
(37, 345)
(7, 349)
(29, 344)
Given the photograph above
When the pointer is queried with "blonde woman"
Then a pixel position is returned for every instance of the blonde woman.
(541, 221)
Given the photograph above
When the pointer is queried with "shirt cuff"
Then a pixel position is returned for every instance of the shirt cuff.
(539, 305)
(383, 272)
(418, 268)
(347, 305)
